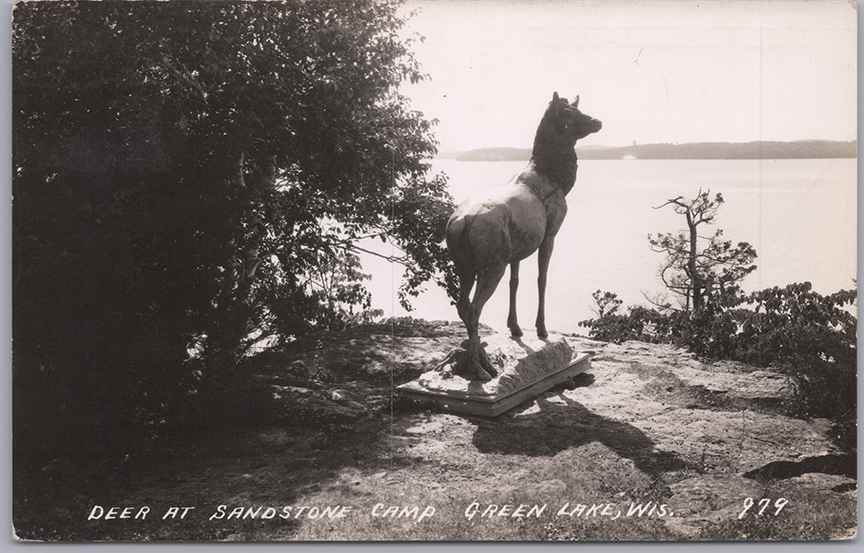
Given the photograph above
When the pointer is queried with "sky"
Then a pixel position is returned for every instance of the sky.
(654, 71)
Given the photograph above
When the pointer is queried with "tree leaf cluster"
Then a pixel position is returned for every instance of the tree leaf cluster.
(184, 174)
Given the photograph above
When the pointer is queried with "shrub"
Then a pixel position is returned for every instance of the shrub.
(810, 337)
(807, 336)
(639, 323)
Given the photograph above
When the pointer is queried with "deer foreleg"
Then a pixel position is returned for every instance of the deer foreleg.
(544, 253)
(512, 323)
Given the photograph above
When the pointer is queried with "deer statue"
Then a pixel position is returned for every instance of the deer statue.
(486, 234)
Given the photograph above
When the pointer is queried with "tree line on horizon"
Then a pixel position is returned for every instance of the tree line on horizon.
(802, 149)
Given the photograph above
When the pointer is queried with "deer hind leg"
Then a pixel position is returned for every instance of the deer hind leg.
(466, 282)
(512, 322)
(487, 281)
(544, 253)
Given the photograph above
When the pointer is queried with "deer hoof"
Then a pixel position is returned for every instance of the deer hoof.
(483, 375)
(485, 368)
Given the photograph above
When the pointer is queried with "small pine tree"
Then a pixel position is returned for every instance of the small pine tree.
(702, 274)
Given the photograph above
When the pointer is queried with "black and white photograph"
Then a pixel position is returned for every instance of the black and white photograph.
(434, 270)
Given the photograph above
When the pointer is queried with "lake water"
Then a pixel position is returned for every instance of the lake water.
(799, 215)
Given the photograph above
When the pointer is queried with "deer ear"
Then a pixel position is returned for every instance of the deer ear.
(575, 103)
(556, 113)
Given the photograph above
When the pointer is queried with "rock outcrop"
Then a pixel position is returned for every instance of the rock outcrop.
(711, 430)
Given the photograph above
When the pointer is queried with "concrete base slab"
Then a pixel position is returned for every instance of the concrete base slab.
(473, 400)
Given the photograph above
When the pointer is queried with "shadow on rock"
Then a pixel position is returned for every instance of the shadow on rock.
(561, 424)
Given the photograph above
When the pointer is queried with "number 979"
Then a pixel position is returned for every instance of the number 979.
(763, 504)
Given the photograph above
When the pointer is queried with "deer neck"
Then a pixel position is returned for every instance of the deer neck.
(556, 161)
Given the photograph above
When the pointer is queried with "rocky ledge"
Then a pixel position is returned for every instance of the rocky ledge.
(722, 420)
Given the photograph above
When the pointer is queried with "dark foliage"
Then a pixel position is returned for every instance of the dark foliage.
(639, 323)
(182, 173)
(810, 337)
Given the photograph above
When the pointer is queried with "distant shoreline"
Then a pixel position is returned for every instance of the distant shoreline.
(801, 149)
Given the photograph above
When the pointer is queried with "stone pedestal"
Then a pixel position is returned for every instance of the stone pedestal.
(527, 367)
